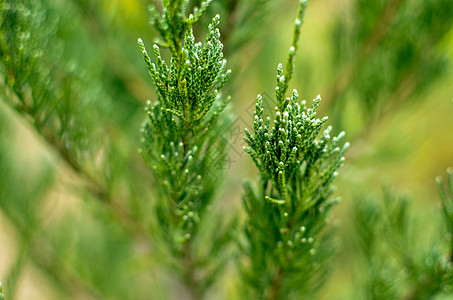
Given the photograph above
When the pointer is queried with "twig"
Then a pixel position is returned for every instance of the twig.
(276, 286)
(92, 185)
(190, 280)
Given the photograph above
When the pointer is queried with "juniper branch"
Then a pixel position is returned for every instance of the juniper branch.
(181, 141)
(33, 85)
(92, 185)
(286, 226)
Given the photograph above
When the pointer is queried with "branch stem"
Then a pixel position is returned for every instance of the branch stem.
(190, 281)
(274, 292)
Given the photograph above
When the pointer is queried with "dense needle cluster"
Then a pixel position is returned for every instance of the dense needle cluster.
(188, 105)
(291, 148)
(287, 238)
(181, 140)
(286, 229)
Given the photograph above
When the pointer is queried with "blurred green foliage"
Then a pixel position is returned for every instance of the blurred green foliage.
(78, 196)
(288, 243)
(387, 52)
(400, 262)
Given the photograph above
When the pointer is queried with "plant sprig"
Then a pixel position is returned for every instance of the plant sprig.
(286, 234)
(181, 143)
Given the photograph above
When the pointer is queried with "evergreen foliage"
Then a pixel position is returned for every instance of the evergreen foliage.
(181, 143)
(402, 39)
(55, 93)
(395, 269)
(69, 110)
(89, 217)
(287, 242)
(33, 77)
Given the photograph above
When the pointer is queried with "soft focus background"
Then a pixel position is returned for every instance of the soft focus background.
(383, 69)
